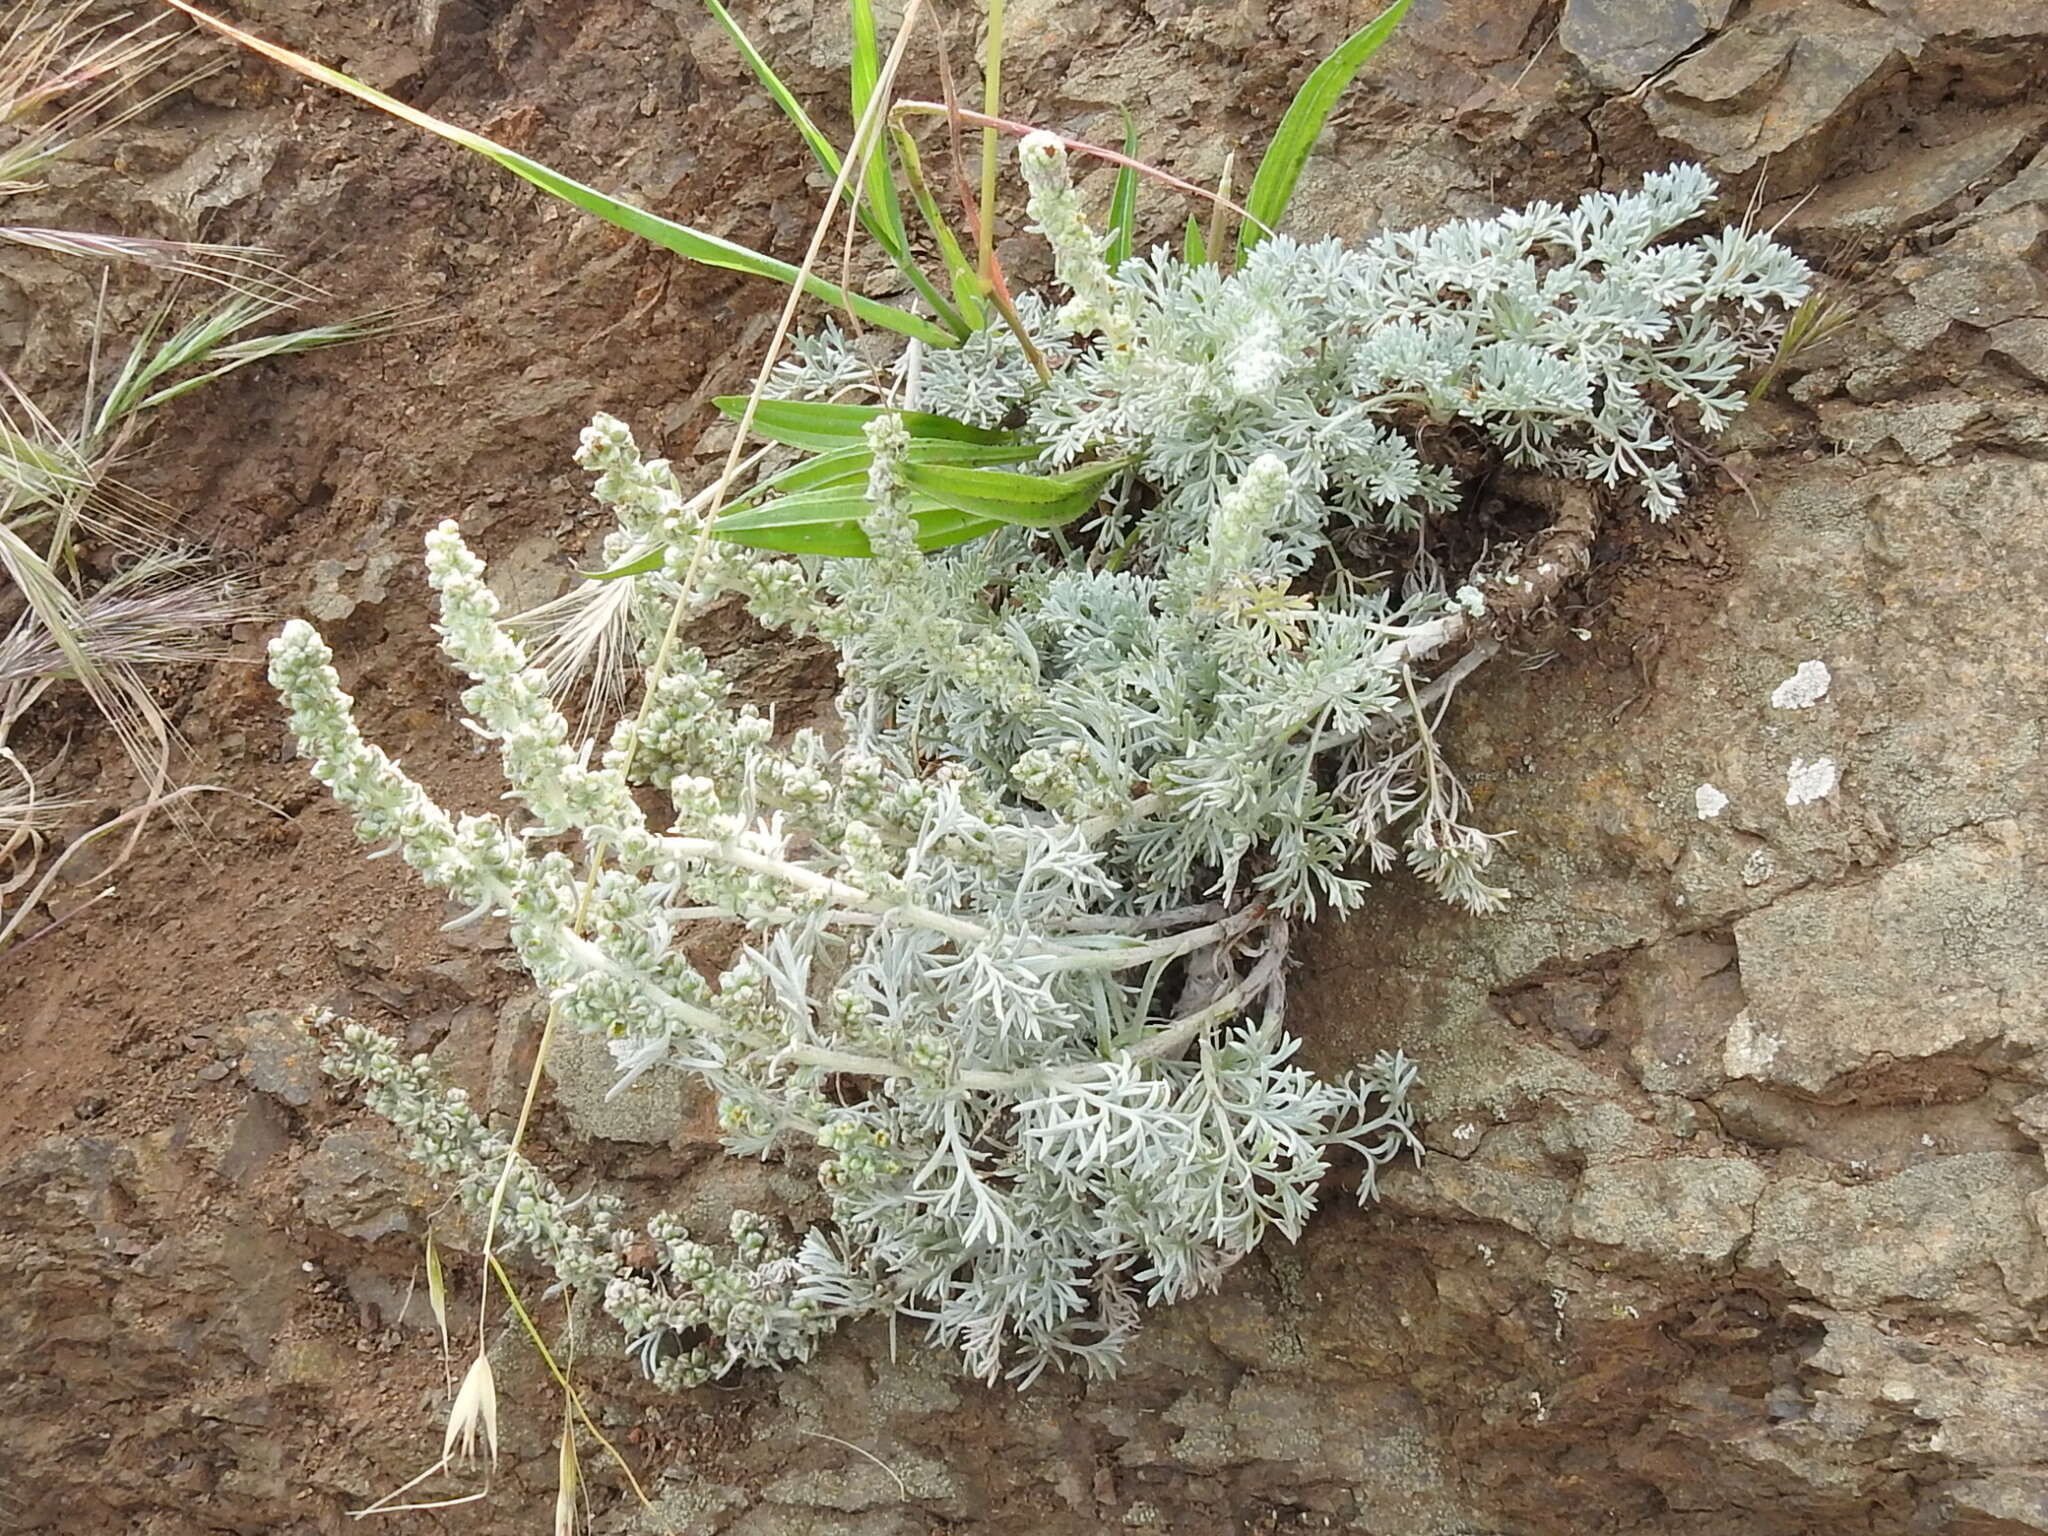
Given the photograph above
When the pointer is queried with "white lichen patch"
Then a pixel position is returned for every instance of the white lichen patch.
(1804, 688)
(1708, 802)
(1807, 782)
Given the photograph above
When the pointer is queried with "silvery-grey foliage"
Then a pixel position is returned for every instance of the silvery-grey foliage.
(1015, 966)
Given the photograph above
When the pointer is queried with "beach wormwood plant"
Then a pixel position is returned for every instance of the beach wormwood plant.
(1017, 922)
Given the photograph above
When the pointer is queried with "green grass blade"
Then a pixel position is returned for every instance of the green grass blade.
(883, 224)
(1123, 202)
(880, 205)
(992, 104)
(840, 465)
(31, 472)
(1294, 140)
(827, 155)
(1194, 250)
(639, 565)
(693, 244)
(56, 610)
(239, 354)
(821, 425)
(966, 281)
(878, 184)
(836, 470)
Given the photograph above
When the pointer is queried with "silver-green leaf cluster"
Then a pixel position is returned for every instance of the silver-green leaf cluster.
(1016, 925)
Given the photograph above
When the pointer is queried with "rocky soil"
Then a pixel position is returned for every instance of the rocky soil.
(1733, 1216)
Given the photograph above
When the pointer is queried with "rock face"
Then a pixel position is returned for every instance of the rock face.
(1621, 44)
(1733, 1214)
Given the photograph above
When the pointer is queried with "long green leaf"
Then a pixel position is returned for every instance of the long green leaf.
(840, 467)
(1273, 186)
(694, 244)
(828, 522)
(821, 425)
(886, 232)
(1194, 250)
(881, 208)
(878, 184)
(967, 285)
(1029, 501)
(783, 97)
(1123, 201)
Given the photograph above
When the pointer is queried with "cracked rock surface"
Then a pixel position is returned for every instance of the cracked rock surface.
(1733, 1215)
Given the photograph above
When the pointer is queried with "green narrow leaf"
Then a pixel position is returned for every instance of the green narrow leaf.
(878, 200)
(943, 450)
(716, 252)
(694, 244)
(960, 271)
(1123, 201)
(840, 465)
(828, 522)
(883, 223)
(1219, 222)
(1194, 250)
(1295, 138)
(878, 184)
(838, 468)
(1029, 501)
(639, 565)
(821, 147)
(819, 425)
(992, 107)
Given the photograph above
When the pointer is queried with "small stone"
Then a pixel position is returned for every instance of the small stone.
(651, 1112)
(1953, 1235)
(354, 1184)
(339, 587)
(280, 1058)
(1941, 953)
(1621, 43)
(1680, 1210)
(1750, 1048)
(1779, 85)
(261, 1131)
(1909, 187)
(2023, 344)
(1708, 802)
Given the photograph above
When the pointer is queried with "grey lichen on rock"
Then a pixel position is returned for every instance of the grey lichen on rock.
(1945, 951)
(1676, 1210)
(1950, 1238)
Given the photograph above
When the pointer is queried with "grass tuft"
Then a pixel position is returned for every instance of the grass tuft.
(98, 586)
